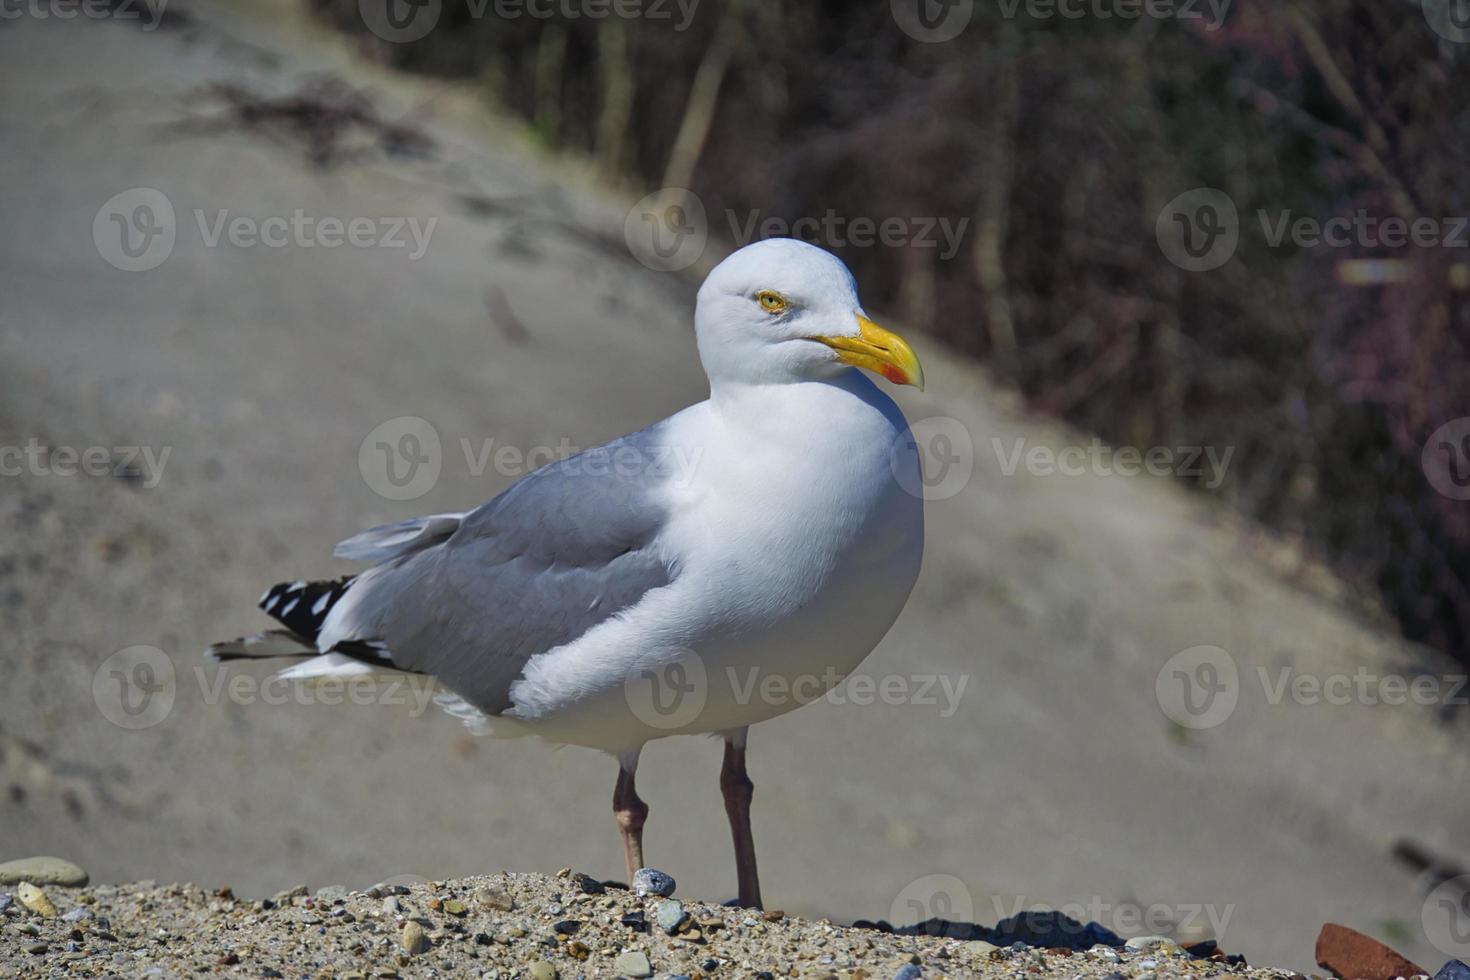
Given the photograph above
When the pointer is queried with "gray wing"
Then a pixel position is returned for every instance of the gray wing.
(471, 599)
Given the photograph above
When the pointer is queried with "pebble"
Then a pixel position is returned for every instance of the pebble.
(5, 901)
(34, 899)
(42, 871)
(391, 905)
(455, 907)
(1105, 953)
(497, 900)
(1453, 970)
(633, 964)
(909, 972)
(1151, 942)
(284, 898)
(647, 881)
(588, 884)
(330, 893)
(670, 915)
(77, 914)
(541, 970)
(981, 948)
(414, 939)
(36, 948)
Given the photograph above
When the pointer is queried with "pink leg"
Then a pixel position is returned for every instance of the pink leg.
(631, 812)
(735, 784)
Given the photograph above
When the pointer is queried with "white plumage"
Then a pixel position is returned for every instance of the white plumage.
(612, 598)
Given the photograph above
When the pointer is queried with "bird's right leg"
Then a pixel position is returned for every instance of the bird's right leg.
(631, 813)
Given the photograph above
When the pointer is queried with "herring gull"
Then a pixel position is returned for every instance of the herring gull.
(614, 597)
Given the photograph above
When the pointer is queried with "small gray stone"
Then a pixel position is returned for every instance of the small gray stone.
(77, 914)
(633, 964)
(909, 972)
(542, 970)
(331, 893)
(647, 881)
(670, 915)
(42, 871)
(414, 939)
(5, 901)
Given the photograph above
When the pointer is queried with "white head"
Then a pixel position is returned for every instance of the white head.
(782, 311)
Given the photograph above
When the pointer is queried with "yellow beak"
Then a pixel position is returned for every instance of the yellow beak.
(880, 351)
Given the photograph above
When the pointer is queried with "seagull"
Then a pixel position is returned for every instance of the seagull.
(719, 568)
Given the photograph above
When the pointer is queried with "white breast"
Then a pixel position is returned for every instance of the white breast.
(795, 548)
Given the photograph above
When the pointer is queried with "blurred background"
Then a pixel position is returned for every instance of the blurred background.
(1191, 281)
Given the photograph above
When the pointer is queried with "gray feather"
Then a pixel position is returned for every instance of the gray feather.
(554, 555)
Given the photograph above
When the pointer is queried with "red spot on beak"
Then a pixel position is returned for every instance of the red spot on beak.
(894, 374)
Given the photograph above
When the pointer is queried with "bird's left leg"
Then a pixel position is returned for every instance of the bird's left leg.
(631, 813)
(737, 788)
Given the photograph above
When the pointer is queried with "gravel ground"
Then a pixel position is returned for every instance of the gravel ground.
(509, 925)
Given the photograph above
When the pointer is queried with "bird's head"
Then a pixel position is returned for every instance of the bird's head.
(782, 311)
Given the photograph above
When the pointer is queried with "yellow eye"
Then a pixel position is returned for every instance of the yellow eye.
(771, 302)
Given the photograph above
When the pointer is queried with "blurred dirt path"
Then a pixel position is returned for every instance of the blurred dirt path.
(1055, 778)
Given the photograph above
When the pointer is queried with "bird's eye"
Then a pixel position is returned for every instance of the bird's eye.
(771, 302)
